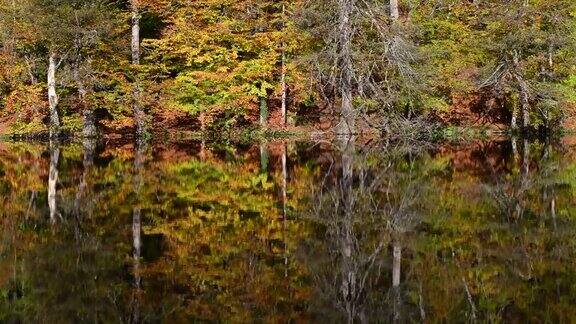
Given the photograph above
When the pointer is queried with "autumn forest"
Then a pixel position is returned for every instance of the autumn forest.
(94, 67)
(287, 161)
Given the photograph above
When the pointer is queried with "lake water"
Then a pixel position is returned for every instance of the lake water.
(345, 231)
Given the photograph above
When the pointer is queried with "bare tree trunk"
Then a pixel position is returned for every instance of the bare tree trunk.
(283, 74)
(524, 93)
(53, 179)
(347, 118)
(89, 125)
(135, 33)
(53, 97)
(139, 116)
(394, 12)
(524, 102)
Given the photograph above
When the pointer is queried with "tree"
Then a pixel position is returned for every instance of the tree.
(523, 40)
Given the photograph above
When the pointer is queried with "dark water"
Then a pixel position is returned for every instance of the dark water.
(346, 231)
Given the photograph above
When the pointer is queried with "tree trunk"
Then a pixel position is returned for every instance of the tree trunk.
(514, 119)
(346, 66)
(524, 102)
(283, 75)
(88, 125)
(53, 179)
(139, 116)
(394, 12)
(53, 97)
(135, 33)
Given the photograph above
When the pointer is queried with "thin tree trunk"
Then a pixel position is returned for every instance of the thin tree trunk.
(89, 125)
(524, 102)
(135, 33)
(283, 74)
(139, 116)
(53, 97)
(514, 119)
(394, 12)
(347, 122)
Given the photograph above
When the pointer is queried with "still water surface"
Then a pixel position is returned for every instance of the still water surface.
(344, 231)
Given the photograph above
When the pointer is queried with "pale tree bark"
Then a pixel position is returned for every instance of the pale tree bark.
(53, 179)
(514, 119)
(139, 115)
(135, 32)
(523, 91)
(524, 102)
(347, 118)
(394, 12)
(53, 97)
(283, 74)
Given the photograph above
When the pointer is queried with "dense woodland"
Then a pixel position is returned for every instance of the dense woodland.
(94, 67)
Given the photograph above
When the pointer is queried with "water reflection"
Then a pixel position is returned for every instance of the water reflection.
(343, 231)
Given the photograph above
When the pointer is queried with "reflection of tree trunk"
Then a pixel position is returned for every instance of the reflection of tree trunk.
(53, 179)
(139, 159)
(553, 210)
(396, 276)
(263, 158)
(53, 97)
(396, 264)
(284, 205)
(347, 248)
(89, 148)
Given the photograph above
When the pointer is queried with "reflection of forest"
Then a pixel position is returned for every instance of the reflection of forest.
(347, 231)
